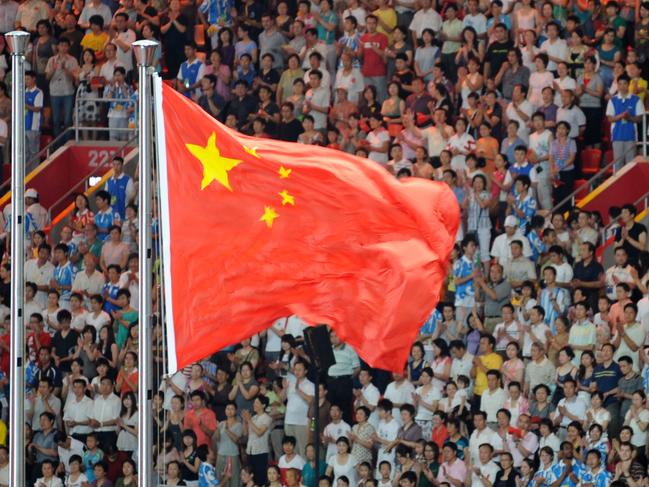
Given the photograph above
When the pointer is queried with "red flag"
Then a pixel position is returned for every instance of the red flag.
(257, 229)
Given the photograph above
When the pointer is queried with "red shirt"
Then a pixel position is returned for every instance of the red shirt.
(194, 420)
(44, 339)
(5, 364)
(373, 64)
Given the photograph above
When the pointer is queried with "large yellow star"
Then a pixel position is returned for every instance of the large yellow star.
(215, 166)
(284, 173)
(287, 199)
(269, 216)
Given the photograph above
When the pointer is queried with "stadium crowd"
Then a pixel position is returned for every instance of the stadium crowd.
(533, 371)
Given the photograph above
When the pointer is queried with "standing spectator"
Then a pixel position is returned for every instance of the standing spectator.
(105, 413)
(374, 68)
(257, 428)
(120, 187)
(624, 111)
(33, 105)
(299, 391)
(123, 38)
(316, 102)
(61, 71)
(30, 13)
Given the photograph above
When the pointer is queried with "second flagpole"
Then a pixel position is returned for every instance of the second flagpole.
(145, 52)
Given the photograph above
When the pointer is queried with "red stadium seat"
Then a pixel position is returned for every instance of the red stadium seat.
(199, 35)
(590, 161)
(608, 158)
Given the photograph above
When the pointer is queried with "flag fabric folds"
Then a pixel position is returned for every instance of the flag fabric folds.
(258, 229)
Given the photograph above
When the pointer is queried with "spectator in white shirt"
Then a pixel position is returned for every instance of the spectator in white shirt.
(78, 411)
(493, 399)
(105, 413)
(298, 391)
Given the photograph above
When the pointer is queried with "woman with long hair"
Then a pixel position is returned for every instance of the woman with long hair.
(342, 463)
(129, 472)
(88, 111)
(127, 424)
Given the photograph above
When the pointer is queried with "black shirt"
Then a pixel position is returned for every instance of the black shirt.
(636, 230)
(241, 108)
(64, 346)
(403, 78)
(589, 273)
(496, 55)
(290, 131)
(216, 100)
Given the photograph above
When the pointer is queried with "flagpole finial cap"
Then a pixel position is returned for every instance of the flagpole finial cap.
(145, 52)
(17, 41)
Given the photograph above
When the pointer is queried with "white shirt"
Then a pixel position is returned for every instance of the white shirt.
(462, 366)
(76, 448)
(478, 438)
(478, 22)
(293, 325)
(106, 409)
(79, 411)
(575, 406)
(525, 107)
(53, 482)
(41, 276)
(296, 407)
(125, 58)
(553, 442)
(99, 321)
(566, 83)
(488, 471)
(296, 462)
(399, 394)
(574, 116)
(335, 431)
(501, 248)
(387, 431)
(491, 402)
(319, 97)
(557, 49)
(539, 331)
(431, 397)
(425, 19)
(564, 272)
(372, 396)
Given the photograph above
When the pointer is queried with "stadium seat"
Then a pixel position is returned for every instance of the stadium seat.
(590, 161)
(582, 189)
(199, 36)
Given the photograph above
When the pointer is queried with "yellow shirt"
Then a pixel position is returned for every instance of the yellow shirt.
(490, 362)
(95, 42)
(389, 17)
(3, 433)
(638, 87)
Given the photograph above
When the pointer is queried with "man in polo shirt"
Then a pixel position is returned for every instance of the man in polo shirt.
(496, 293)
(374, 68)
(630, 336)
(481, 435)
(624, 111)
(588, 274)
(570, 408)
(501, 247)
(368, 395)
(486, 361)
(453, 470)
(583, 333)
(299, 392)
(340, 375)
(607, 375)
(540, 370)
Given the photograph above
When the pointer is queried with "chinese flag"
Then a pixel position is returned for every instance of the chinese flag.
(257, 229)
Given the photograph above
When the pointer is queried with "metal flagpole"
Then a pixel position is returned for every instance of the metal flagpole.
(17, 42)
(145, 52)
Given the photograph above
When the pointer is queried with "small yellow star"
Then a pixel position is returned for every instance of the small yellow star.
(269, 216)
(215, 166)
(284, 173)
(252, 151)
(287, 199)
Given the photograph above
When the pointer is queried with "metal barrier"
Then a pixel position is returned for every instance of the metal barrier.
(77, 106)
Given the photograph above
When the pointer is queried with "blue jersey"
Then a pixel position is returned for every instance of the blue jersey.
(215, 10)
(117, 187)
(64, 276)
(33, 97)
(463, 267)
(577, 470)
(112, 290)
(207, 475)
(30, 225)
(536, 244)
(104, 220)
(600, 479)
(430, 325)
(528, 206)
